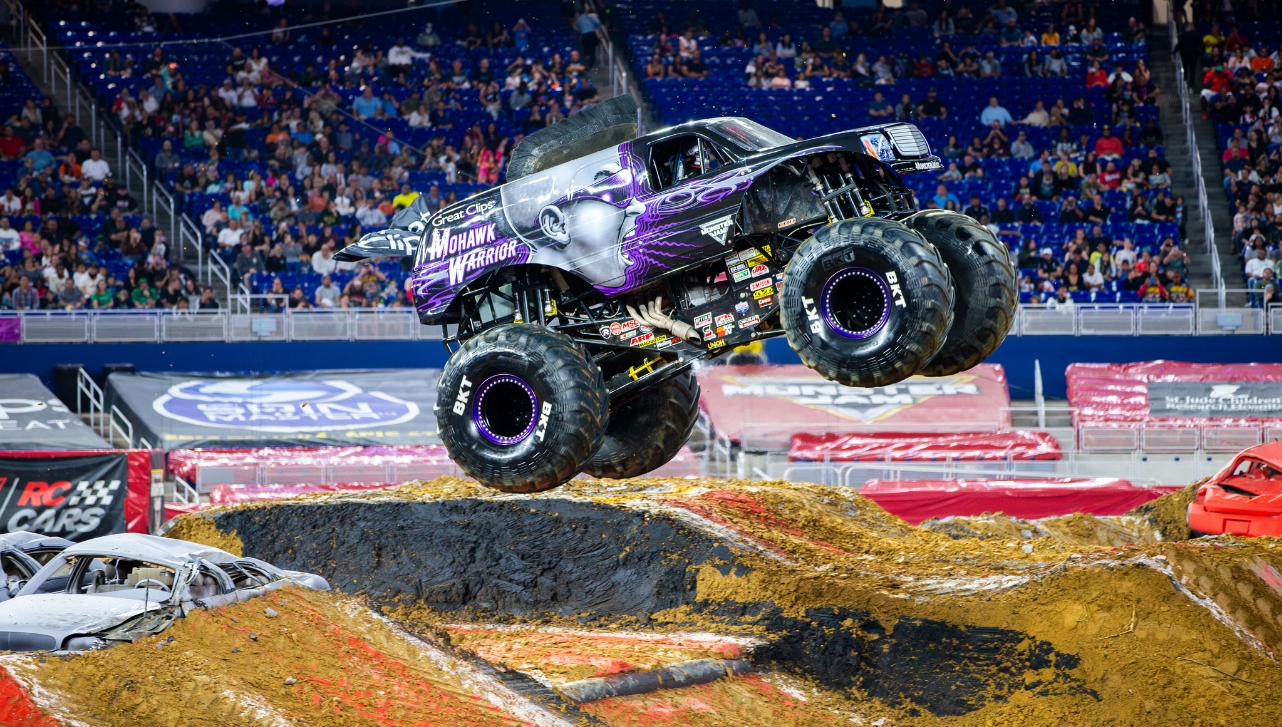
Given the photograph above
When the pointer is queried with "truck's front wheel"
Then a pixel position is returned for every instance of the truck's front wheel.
(521, 408)
(866, 302)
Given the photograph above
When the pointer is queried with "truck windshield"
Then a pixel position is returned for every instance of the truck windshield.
(751, 135)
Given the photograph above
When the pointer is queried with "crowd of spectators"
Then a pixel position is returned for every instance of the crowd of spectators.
(297, 159)
(1240, 83)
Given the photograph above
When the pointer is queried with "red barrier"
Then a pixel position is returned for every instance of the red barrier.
(918, 500)
(185, 463)
(1175, 393)
(906, 446)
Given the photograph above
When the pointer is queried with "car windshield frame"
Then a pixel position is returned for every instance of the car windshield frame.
(750, 136)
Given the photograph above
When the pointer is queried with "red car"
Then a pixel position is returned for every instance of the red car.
(1244, 498)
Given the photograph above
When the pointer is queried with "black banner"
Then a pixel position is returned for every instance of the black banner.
(31, 417)
(73, 497)
(310, 408)
(1219, 399)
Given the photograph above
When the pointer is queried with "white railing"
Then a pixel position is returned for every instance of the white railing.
(1107, 319)
(88, 391)
(1203, 203)
(120, 424)
(617, 68)
(1246, 318)
(165, 326)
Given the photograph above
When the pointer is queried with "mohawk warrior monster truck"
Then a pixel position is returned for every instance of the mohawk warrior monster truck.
(583, 290)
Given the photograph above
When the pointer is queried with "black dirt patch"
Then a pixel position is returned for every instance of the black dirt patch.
(942, 668)
(512, 557)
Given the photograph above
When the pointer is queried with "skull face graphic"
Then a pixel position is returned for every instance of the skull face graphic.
(577, 215)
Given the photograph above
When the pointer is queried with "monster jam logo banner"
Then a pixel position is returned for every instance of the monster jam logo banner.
(750, 400)
(77, 498)
(1215, 399)
(320, 408)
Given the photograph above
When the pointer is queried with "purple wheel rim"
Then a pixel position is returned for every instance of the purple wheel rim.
(855, 303)
(505, 409)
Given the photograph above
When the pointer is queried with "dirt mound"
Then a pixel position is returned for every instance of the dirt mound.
(847, 613)
(1168, 514)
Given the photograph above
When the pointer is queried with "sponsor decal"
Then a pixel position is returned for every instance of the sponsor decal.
(737, 267)
(789, 221)
(702, 320)
(764, 292)
(716, 344)
(77, 497)
(719, 229)
(760, 269)
(460, 401)
(641, 340)
(605, 332)
(544, 412)
(275, 405)
(616, 328)
(725, 318)
(756, 260)
(740, 276)
(748, 322)
(1214, 399)
(462, 266)
(741, 308)
(443, 243)
(896, 293)
(724, 330)
(812, 315)
(929, 165)
(878, 146)
(748, 254)
(765, 302)
(472, 210)
(766, 249)
(708, 335)
(665, 342)
(759, 284)
(852, 402)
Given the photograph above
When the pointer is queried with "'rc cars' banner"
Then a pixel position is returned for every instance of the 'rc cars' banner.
(764, 406)
(31, 417)
(315, 408)
(74, 495)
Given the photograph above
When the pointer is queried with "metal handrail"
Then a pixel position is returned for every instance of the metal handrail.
(126, 431)
(87, 388)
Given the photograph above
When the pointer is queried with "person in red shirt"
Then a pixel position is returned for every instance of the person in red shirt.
(1108, 146)
(1110, 178)
(1096, 76)
(1236, 41)
(1214, 83)
(1235, 157)
(11, 146)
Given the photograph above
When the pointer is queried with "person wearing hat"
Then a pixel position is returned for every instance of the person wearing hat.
(1021, 148)
(1047, 266)
(1108, 146)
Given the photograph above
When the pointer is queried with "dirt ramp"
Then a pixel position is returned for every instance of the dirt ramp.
(844, 610)
(506, 556)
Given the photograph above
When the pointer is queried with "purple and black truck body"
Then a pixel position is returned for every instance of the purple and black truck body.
(704, 213)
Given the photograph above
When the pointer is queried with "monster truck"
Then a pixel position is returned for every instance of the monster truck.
(576, 297)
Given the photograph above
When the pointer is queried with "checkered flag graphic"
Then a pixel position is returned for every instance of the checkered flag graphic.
(95, 493)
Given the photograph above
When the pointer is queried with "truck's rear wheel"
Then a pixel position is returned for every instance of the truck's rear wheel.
(985, 286)
(648, 431)
(866, 302)
(521, 408)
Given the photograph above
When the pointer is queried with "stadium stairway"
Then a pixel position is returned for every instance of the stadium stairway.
(187, 256)
(1179, 155)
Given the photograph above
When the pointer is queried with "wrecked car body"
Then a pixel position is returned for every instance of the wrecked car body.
(123, 587)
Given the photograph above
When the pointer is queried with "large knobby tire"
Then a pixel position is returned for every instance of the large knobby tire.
(985, 288)
(521, 408)
(648, 431)
(866, 302)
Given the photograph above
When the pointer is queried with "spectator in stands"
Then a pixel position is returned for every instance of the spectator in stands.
(11, 145)
(880, 108)
(95, 168)
(932, 107)
(323, 261)
(366, 106)
(945, 200)
(1108, 146)
(993, 113)
(143, 296)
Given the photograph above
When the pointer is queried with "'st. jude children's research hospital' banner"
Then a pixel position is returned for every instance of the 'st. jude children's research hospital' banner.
(391, 406)
(1175, 393)
(76, 495)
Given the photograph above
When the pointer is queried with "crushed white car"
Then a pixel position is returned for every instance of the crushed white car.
(122, 587)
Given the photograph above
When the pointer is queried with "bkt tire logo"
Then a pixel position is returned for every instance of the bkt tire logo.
(277, 405)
